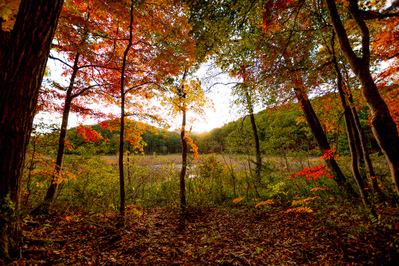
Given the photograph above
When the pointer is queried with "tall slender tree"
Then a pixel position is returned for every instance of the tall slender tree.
(182, 96)
(77, 23)
(123, 114)
(248, 91)
(185, 96)
(353, 136)
(147, 47)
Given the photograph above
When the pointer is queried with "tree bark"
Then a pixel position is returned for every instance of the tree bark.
(366, 155)
(353, 137)
(183, 202)
(321, 139)
(363, 145)
(383, 126)
(23, 58)
(122, 118)
(120, 159)
(256, 138)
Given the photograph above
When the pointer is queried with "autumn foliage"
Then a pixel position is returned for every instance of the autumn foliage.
(317, 171)
(317, 86)
(88, 134)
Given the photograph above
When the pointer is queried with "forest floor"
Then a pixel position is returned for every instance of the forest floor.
(213, 236)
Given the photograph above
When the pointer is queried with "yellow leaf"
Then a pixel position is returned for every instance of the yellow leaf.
(318, 188)
(299, 210)
(263, 203)
(68, 218)
(238, 200)
(304, 201)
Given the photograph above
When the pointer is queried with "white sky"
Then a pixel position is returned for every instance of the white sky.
(217, 88)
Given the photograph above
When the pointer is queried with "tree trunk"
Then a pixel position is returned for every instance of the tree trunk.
(122, 118)
(256, 138)
(52, 190)
(55, 182)
(183, 202)
(23, 58)
(121, 166)
(383, 126)
(321, 139)
(353, 137)
(363, 145)
(366, 155)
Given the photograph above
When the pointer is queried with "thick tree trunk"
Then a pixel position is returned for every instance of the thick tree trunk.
(383, 126)
(321, 139)
(23, 58)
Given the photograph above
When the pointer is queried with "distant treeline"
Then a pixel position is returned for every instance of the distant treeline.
(282, 131)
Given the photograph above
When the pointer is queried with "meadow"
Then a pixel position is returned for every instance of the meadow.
(91, 184)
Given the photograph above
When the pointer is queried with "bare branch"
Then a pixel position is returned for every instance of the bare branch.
(86, 89)
(60, 60)
(369, 15)
(139, 85)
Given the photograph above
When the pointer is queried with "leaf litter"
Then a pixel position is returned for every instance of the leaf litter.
(212, 236)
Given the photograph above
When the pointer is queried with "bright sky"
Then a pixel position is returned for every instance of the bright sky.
(216, 84)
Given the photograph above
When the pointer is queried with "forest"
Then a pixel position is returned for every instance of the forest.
(308, 175)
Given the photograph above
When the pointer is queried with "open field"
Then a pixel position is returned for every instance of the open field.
(92, 183)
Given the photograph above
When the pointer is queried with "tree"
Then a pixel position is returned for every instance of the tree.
(292, 64)
(186, 95)
(147, 47)
(122, 117)
(356, 137)
(386, 49)
(270, 46)
(75, 38)
(248, 91)
(358, 152)
(182, 96)
(23, 55)
(383, 126)
(352, 133)
(321, 139)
